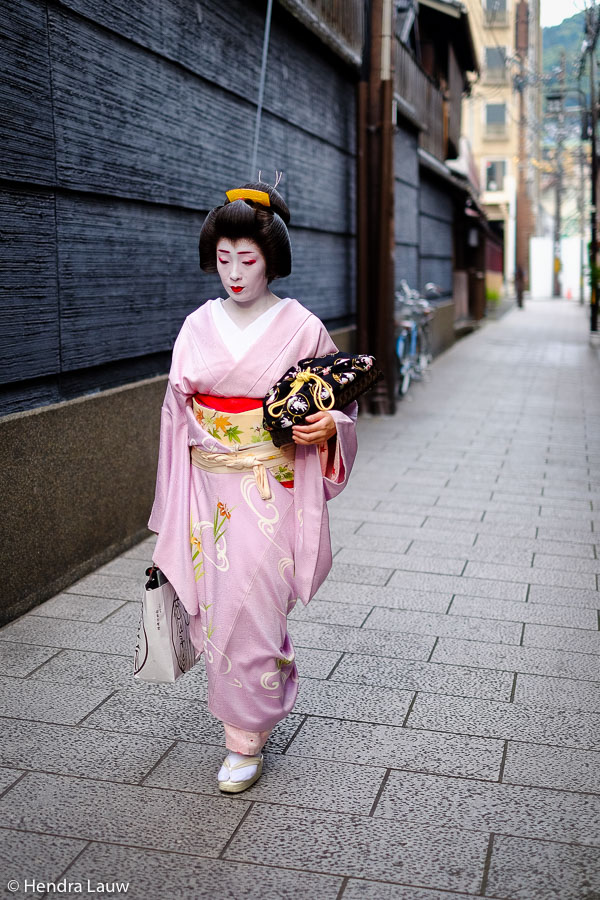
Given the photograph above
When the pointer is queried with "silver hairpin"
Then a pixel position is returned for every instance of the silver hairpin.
(260, 176)
(278, 176)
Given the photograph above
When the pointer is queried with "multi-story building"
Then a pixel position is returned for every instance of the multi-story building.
(502, 122)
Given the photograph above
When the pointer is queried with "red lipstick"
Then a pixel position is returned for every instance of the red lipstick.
(236, 290)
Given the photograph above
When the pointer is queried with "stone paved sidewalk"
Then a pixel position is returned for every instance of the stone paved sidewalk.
(446, 740)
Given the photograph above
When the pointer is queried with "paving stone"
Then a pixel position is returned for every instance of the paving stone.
(370, 542)
(410, 675)
(173, 719)
(78, 751)
(483, 806)
(575, 639)
(513, 721)
(47, 702)
(7, 778)
(154, 875)
(559, 549)
(315, 663)
(399, 748)
(360, 500)
(359, 846)
(359, 574)
(291, 780)
(562, 596)
(377, 890)
(142, 551)
(96, 638)
(563, 532)
(357, 640)
(97, 669)
(530, 575)
(566, 563)
(393, 598)
(508, 555)
(384, 520)
(515, 611)
(77, 606)
(116, 586)
(561, 768)
(387, 706)
(330, 613)
(133, 563)
(439, 512)
(444, 535)
(474, 628)
(126, 616)
(527, 869)
(503, 590)
(128, 814)
(535, 660)
(38, 857)
(415, 563)
(558, 692)
(18, 660)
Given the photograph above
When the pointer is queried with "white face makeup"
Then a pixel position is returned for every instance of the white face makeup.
(242, 269)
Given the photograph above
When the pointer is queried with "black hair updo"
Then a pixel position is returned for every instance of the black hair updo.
(265, 225)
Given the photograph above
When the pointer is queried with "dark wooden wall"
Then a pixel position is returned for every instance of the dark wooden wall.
(436, 229)
(124, 122)
(406, 207)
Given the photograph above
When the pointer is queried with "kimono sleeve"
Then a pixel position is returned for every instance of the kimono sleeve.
(173, 452)
(337, 456)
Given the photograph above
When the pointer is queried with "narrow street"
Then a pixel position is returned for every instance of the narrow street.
(446, 739)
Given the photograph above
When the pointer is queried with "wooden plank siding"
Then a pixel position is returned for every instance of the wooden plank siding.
(145, 116)
(436, 222)
(406, 207)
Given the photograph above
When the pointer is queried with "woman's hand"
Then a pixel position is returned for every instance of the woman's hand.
(322, 427)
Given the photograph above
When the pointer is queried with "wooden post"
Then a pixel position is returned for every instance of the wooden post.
(375, 203)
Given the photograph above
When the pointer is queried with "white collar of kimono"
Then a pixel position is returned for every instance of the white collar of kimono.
(239, 340)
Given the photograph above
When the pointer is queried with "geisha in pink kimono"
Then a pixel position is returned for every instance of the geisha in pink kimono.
(242, 525)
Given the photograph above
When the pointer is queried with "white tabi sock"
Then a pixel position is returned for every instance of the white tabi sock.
(240, 774)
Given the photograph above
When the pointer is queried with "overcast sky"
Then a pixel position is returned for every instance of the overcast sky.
(554, 11)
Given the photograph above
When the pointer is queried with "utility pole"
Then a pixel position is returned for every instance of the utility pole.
(560, 135)
(523, 215)
(592, 26)
(581, 225)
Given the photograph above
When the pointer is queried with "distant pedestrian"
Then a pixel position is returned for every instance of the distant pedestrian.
(242, 524)
(519, 285)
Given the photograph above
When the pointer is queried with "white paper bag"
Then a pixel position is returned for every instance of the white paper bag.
(164, 649)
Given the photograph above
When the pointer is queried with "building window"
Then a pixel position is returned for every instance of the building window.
(495, 65)
(495, 120)
(494, 12)
(495, 174)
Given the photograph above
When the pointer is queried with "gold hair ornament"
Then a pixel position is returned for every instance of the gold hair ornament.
(306, 377)
(246, 194)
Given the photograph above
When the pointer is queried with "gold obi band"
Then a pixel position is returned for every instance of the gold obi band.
(250, 447)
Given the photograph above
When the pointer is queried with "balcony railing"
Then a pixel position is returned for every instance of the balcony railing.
(339, 23)
(439, 117)
(495, 18)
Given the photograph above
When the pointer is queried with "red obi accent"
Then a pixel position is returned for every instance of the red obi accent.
(228, 404)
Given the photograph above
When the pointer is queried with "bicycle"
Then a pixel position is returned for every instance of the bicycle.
(412, 314)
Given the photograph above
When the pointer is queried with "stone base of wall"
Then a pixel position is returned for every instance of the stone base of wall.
(442, 327)
(78, 486)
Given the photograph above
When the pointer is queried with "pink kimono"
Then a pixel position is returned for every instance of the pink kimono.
(238, 562)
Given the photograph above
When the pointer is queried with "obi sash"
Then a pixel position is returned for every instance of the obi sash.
(249, 444)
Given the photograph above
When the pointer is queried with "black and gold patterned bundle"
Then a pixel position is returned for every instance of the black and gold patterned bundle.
(314, 384)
